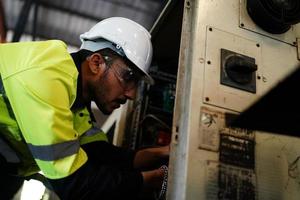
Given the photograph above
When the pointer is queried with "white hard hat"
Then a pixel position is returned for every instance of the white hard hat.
(123, 36)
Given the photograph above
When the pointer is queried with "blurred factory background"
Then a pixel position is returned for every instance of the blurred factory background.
(66, 20)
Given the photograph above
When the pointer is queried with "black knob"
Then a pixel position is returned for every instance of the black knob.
(240, 70)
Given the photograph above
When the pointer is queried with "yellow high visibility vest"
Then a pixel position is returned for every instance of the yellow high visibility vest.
(39, 87)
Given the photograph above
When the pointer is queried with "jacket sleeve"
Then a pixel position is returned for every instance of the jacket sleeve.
(41, 98)
(96, 180)
(86, 127)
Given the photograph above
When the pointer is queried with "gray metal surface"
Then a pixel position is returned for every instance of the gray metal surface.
(194, 164)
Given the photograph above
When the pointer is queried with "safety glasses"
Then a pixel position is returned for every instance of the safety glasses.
(127, 77)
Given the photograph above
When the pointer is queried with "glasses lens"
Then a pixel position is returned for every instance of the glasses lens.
(131, 79)
(127, 76)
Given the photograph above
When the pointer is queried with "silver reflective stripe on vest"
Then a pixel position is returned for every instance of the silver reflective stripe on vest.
(54, 151)
(92, 131)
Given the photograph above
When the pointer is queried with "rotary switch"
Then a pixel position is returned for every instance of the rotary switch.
(238, 71)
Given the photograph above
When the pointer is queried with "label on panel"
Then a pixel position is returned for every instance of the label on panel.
(229, 182)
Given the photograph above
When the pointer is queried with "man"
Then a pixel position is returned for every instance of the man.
(45, 116)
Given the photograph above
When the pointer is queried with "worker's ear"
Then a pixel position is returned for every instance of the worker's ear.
(96, 63)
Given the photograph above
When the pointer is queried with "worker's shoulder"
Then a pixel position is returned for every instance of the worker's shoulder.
(55, 43)
(24, 56)
(34, 44)
(48, 44)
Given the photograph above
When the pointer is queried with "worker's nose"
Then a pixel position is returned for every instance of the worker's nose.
(131, 93)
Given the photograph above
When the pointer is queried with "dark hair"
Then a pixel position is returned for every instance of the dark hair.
(83, 54)
(110, 53)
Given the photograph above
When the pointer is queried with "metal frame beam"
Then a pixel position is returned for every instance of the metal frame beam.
(22, 20)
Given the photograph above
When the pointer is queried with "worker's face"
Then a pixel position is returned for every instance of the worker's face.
(114, 86)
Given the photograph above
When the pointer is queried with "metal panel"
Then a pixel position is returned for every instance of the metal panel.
(194, 172)
(277, 167)
(221, 95)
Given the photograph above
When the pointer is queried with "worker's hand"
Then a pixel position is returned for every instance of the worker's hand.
(149, 156)
(156, 179)
(165, 151)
